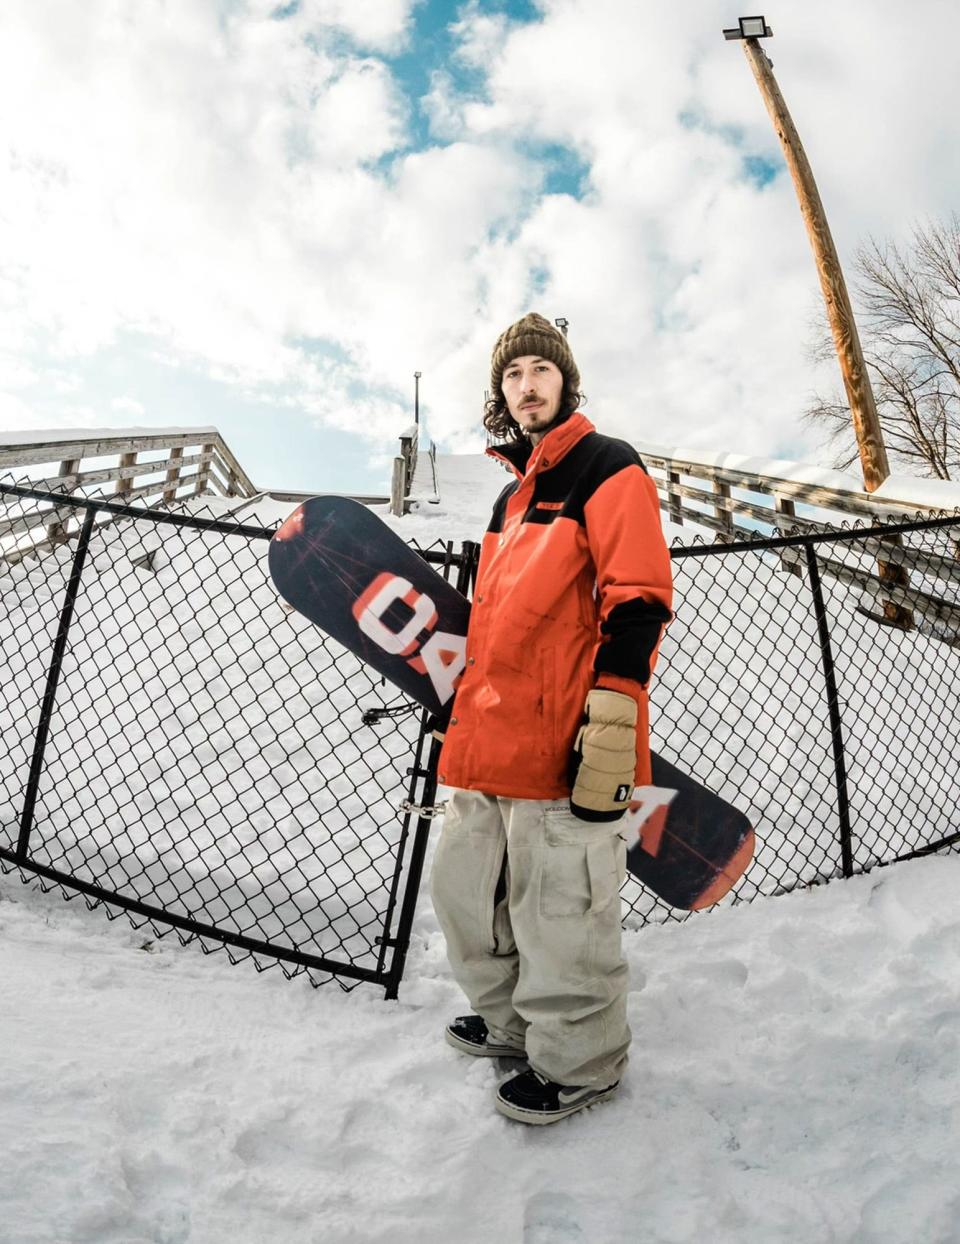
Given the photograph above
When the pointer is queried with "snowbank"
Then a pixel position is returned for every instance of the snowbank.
(924, 494)
(795, 1079)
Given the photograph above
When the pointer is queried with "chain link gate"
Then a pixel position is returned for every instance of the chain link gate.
(179, 746)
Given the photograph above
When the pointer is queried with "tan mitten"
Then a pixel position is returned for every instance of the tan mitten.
(604, 759)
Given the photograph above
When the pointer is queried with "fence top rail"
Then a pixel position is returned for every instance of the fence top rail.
(853, 534)
(437, 557)
(65, 501)
(253, 532)
(49, 446)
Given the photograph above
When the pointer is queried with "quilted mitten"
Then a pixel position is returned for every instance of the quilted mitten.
(604, 758)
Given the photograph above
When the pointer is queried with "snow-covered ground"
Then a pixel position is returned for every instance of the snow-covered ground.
(795, 1077)
(795, 1072)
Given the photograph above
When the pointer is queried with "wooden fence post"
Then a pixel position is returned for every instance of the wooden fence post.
(203, 471)
(125, 482)
(397, 489)
(723, 515)
(785, 508)
(674, 501)
(57, 532)
(173, 476)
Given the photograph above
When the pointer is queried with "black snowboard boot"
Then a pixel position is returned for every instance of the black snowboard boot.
(468, 1034)
(531, 1098)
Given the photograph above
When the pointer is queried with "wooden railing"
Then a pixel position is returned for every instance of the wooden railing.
(710, 494)
(403, 469)
(156, 467)
(174, 452)
(737, 502)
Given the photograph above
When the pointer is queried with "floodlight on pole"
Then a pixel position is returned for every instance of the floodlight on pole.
(562, 324)
(749, 28)
(416, 397)
(853, 369)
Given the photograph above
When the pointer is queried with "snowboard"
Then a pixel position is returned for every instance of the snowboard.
(338, 564)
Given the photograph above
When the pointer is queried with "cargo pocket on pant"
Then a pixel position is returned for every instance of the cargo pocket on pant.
(579, 880)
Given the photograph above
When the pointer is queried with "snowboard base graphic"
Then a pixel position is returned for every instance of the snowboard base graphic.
(340, 566)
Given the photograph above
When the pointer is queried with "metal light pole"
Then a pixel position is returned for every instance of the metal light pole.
(416, 397)
(856, 381)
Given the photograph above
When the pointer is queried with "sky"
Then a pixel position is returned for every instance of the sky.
(266, 216)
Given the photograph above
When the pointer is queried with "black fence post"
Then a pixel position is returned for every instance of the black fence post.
(466, 577)
(833, 706)
(53, 678)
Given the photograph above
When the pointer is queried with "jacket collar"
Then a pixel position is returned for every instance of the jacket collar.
(524, 458)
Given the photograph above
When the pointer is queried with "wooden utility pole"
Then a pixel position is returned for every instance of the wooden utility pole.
(846, 339)
(856, 381)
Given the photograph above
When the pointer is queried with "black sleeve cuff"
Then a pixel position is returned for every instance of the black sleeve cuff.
(633, 631)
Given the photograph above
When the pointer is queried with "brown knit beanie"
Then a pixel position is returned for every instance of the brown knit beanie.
(532, 335)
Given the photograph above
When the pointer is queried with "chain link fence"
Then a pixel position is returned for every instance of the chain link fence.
(813, 681)
(179, 746)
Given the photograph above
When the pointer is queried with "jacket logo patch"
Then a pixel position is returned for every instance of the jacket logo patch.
(549, 505)
(623, 792)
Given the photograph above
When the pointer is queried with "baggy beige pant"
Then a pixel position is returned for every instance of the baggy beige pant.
(527, 896)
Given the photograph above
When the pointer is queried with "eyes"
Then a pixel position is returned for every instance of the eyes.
(513, 372)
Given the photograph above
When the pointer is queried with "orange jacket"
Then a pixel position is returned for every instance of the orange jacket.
(573, 591)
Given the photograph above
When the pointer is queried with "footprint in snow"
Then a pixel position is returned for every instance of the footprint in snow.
(552, 1218)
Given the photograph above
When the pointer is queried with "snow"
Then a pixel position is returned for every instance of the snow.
(933, 494)
(897, 492)
(74, 436)
(774, 468)
(795, 1077)
(795, 1073)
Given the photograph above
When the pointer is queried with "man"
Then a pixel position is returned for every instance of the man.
(548, 736)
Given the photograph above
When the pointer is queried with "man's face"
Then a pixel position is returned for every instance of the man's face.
(533, 387)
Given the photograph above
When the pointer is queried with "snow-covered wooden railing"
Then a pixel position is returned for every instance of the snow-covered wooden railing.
(152, 465)
(713, 490)
(404, 467)
(191, 461)
(775, 496)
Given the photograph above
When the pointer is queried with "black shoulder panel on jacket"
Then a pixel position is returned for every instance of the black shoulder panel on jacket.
(500, 506)
(564, 490)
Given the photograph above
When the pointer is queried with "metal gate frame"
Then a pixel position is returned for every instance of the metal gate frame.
(421, 789)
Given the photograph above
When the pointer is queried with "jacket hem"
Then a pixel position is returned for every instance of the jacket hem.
(505, 790)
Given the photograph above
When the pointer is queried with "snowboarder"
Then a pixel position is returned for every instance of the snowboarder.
(548, 736)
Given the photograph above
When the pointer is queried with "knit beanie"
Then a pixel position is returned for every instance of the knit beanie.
(532, 335)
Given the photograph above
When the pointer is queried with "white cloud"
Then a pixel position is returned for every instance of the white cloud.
(239, 191)
(128, 406)
(689, 289)
(377, 24)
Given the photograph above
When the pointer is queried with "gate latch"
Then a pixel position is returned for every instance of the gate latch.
(428, 810)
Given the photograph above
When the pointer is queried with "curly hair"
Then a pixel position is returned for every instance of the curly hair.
(503, 427)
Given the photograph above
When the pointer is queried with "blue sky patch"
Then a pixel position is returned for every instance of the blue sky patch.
(564, 171)
(761, 170)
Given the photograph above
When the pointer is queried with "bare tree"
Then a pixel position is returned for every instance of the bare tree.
(909, 320)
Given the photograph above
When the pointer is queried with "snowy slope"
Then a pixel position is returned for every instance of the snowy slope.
(795, 1079)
